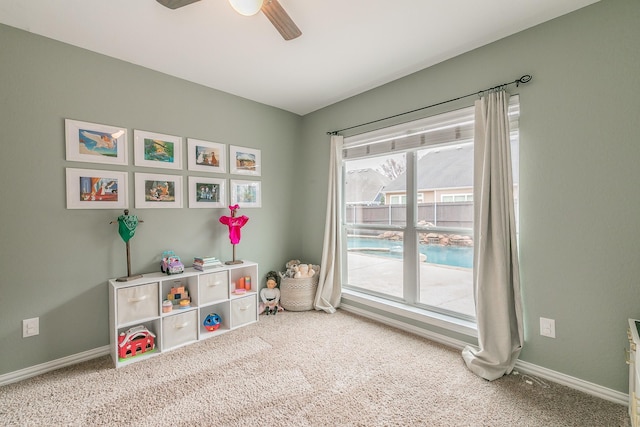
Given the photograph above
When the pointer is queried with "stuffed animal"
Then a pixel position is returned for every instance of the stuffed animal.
(313, 270)
(292, 268)
(292, 263)
(304, 270)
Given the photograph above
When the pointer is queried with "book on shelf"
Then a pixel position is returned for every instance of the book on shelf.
(206, 263)
(207, 267)
(205, 260)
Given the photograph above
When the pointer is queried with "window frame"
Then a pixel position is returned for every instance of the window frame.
(454, 321)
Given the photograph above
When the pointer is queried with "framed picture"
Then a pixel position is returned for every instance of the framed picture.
(95, 143)
(244, 161)
(247, 194)
(157, 150)
(207, 192)
(158, 191)
(96, 189)
(206, 156)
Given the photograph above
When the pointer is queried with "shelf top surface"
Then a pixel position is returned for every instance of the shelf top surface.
(188, 272)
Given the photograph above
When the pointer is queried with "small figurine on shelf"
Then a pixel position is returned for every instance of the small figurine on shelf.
(167, 306)
(234, 223)
(270, 295)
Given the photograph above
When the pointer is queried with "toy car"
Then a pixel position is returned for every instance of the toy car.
(171, 263)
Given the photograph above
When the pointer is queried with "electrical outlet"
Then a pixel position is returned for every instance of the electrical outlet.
(30, 327)
(547, 327)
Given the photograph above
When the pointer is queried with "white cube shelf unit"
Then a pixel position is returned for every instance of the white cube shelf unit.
(135, 307)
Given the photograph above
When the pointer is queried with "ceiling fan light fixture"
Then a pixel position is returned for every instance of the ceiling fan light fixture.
(246, 7)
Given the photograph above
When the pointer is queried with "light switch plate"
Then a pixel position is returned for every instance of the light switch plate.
(30, 327)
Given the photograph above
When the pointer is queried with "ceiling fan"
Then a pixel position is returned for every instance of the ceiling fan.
(272, 9)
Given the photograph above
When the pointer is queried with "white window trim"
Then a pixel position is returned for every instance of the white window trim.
(419, 315)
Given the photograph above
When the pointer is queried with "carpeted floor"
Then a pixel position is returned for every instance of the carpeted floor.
(299, 369)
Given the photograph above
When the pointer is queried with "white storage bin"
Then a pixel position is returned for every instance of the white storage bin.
(214, 287)
(179, 329)
(137, 303)
(243, 311)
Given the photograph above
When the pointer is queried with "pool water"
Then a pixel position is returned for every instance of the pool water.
(454, 256)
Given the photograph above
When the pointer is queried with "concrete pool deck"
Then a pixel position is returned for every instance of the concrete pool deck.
(449, 288)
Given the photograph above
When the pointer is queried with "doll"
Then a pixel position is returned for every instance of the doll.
(270, 295)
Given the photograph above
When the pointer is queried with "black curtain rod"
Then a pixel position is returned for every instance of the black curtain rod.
(524, 79)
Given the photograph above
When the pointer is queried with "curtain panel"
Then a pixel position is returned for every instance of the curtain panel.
(496, 270)
(329, 289)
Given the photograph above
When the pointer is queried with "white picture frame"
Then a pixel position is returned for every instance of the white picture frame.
(247, 194)
(206, 156)
(157, 150)
(95, 143)
(96, 189)
(206, 192)
(158, 191)
(244, 161)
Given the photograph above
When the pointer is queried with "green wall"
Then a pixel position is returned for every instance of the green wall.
(580, 235)
(579, 174)
(55, 262)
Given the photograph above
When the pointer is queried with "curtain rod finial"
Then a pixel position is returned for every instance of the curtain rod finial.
(524, 79)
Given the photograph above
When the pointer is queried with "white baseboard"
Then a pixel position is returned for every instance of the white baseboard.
(573, 382)
(42, 368)
(521, 366)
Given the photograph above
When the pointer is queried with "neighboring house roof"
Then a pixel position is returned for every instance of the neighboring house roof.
(364, 186)
(446, 167)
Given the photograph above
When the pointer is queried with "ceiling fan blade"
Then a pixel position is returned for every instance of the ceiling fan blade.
(280, 19)
(175, 4)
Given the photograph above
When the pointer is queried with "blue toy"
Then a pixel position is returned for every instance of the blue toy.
(212, 322)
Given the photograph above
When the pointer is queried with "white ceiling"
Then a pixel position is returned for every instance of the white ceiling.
(346, 47)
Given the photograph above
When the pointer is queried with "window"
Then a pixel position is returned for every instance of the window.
(450, 198)
(395, 199)
(374, 234)
(445, 237)
(415, 247)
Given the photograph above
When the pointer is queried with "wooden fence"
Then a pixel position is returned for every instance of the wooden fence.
(455, 214)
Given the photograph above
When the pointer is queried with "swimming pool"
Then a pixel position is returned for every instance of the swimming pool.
(455, 256)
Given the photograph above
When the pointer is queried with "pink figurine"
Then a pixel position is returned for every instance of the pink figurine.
(234, 223)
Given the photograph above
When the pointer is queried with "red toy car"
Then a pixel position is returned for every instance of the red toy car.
(136, 340)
